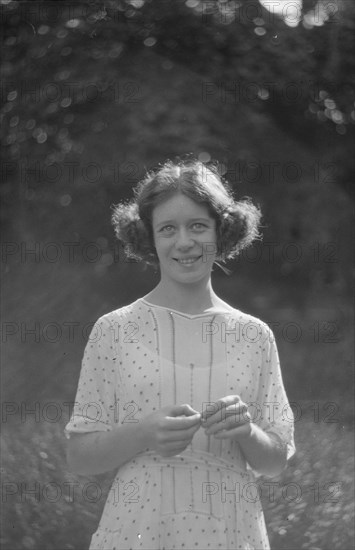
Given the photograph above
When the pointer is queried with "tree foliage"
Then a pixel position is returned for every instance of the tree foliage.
(94, 94)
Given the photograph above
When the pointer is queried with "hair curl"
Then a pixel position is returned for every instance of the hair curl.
(237, 222)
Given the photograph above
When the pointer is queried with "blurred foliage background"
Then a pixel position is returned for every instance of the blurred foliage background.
(94, 95)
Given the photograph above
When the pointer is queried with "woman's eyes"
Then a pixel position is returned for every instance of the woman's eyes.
(166, 229)
(197, 226)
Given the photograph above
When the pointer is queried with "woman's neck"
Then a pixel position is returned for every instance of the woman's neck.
(187, 298)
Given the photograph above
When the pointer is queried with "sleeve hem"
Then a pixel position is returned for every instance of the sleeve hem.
(84, 426)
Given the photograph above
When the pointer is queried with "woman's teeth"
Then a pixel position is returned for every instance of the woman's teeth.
(187, 261)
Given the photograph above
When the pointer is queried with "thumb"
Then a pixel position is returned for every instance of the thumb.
(183, 410)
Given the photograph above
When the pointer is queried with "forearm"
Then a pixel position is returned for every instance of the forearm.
(263, 453)
(98, 452)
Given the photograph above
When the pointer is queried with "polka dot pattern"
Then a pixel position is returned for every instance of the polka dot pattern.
(143, 357)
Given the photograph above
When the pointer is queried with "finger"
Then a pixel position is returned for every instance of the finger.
(182, 422)
(220, 426)
(236, 411)
(179, 435)
(214, 408)
(233, 420)
(183, 410)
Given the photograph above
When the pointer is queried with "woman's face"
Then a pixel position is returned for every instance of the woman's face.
(185, 239)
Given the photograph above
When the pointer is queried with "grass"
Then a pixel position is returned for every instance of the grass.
(313, 504)
(45, 507)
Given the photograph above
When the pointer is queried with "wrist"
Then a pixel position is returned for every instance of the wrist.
(144, 434)
(247, 432)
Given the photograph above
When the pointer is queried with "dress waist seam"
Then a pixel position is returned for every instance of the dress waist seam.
(202, 460)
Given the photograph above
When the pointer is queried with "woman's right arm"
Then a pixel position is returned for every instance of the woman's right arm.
(167, 431)
(97, 452)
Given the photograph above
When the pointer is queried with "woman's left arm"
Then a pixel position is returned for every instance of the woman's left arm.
(261, 450)
(230, 419)
(266, 442)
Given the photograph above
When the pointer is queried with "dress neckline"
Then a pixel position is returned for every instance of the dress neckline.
(183, 314)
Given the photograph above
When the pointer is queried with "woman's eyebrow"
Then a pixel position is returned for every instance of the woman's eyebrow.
(191, 220)
(165, 222)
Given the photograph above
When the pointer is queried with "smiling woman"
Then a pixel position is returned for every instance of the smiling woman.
(237, 222)
(195, 373)
(185, 239)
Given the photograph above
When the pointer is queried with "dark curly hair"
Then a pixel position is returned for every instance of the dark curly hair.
(237, 222)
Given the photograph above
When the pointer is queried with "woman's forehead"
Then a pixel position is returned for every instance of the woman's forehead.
(180, 207)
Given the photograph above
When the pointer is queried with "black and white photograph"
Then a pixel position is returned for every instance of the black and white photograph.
(177, 319)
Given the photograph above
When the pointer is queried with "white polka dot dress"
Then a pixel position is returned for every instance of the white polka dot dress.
(143, 357)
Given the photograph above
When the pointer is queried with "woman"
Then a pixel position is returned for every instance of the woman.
(179, 391)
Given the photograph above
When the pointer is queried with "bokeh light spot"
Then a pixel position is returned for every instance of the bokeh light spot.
(65, 200)
(260, 31)
(150, 41)
(204, 157)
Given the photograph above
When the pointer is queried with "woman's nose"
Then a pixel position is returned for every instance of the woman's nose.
(183, 239)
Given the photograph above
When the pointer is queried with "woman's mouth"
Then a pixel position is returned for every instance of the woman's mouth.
(187, 261)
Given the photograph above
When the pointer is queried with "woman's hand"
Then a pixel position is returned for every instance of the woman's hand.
(171, 429)
(227, 418)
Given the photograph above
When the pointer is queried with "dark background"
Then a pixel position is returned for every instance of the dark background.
(93, 96)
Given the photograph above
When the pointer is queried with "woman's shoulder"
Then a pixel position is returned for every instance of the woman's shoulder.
(137, 310)
(235, 315)
(125, 313)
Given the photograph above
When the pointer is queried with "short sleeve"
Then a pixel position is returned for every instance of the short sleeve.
(273, 412)
(94, 407)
